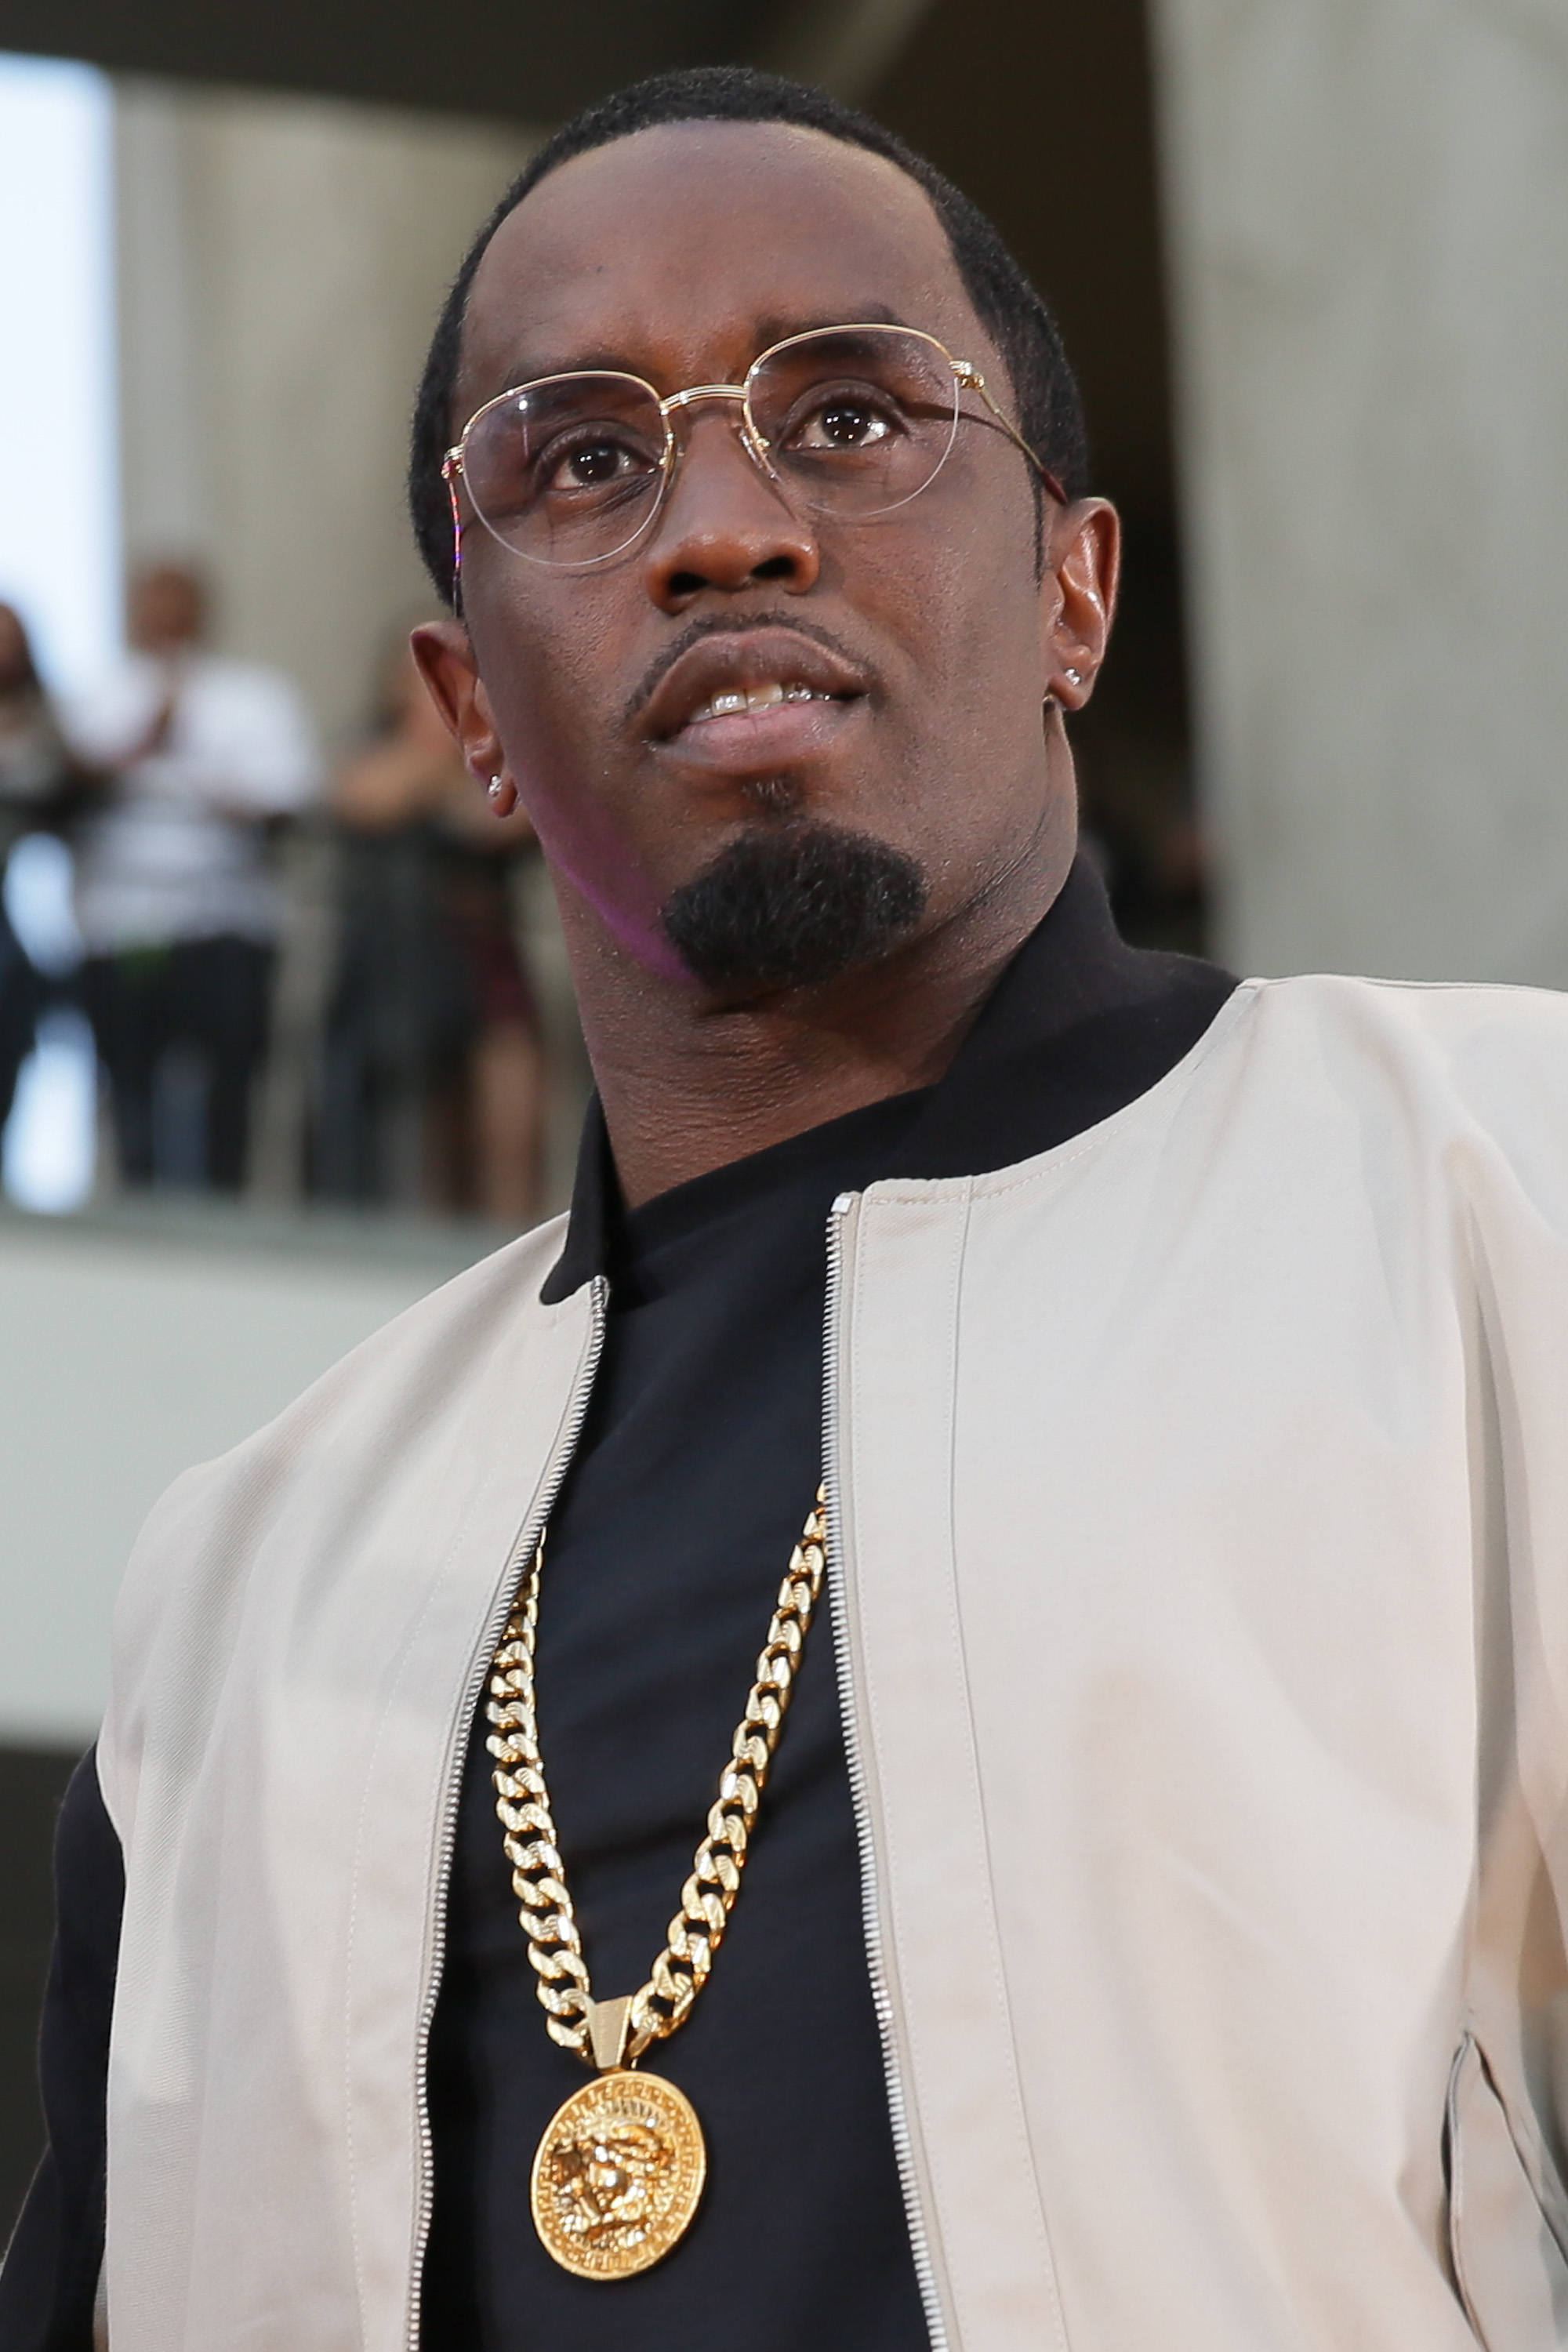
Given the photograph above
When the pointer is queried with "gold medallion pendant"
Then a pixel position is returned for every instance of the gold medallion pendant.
(619, 2175)
(619, 2172)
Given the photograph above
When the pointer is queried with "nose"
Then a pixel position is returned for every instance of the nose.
(724, 523)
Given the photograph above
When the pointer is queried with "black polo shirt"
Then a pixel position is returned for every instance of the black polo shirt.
(697, 1464)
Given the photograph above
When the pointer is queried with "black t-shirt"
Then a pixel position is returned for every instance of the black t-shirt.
(698, 1465)
(696, 1468)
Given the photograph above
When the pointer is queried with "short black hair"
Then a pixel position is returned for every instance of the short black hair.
(1050, 413)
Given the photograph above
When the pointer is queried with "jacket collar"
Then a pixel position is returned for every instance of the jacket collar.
(1079, 1025)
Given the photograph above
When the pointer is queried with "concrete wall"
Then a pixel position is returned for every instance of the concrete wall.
(126, 1354)
(282, 263)
(1367, 202)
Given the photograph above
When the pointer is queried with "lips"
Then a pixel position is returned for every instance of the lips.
(764, 689)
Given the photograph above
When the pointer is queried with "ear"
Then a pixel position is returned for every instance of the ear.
(1078, 596)
(446, 662)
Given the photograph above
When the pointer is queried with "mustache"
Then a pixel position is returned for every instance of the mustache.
(727, 624)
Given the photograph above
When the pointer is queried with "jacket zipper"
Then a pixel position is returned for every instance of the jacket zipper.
(447, 1831)
(898, 2110)
(842, 1210)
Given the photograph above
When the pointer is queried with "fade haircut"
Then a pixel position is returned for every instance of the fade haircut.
(1050, 413)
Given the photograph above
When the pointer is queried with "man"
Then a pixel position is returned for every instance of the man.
(1162, 1945)
(177, 907)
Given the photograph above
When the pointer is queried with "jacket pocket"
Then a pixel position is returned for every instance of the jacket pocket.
(1510, 2269)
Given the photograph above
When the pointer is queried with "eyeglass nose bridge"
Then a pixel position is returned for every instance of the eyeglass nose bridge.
(756, 448)
(701, 392)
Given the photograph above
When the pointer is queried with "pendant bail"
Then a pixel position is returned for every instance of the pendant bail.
(609, 2029)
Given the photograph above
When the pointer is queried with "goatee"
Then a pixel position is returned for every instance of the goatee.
(794, 908)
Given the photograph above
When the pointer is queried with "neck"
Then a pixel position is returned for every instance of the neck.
(688, 1088)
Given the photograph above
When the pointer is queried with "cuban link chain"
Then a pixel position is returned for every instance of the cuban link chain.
(522, 1803)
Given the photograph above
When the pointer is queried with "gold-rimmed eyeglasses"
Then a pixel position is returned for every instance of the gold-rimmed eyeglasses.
(854, 422)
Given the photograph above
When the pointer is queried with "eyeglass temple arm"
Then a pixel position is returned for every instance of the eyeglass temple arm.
(451, 466)
(973, 381)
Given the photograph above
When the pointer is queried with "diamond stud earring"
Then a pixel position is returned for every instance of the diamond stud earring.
(1075, 677)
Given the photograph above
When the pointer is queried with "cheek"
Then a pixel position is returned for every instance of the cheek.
(539, 656)
(543, 659)
(992, 611)
(544, 676)
(967, 607)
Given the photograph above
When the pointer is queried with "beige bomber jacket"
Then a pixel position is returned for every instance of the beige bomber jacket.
(1199, 1498)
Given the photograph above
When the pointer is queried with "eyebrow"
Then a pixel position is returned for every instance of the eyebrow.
(603, 358)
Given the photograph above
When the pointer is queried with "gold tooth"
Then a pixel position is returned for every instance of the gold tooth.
(728, 694)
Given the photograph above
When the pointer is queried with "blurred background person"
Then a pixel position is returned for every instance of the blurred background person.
(432, 1070)
(38, 775)
(201, 756)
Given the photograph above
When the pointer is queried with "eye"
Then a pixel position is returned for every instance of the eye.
(844, 421)
(594, 460)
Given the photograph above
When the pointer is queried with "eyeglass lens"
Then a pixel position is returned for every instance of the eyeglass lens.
(853, 422)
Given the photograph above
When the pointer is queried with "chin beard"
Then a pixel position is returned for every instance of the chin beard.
(793, 908)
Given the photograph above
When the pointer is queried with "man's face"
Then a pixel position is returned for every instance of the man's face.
(677, 254)
(165, 609)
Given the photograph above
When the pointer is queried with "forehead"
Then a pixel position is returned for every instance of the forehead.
(678, 251)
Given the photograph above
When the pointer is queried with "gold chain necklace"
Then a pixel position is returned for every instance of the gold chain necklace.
(619, 2172)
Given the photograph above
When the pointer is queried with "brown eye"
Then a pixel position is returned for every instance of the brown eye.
(600, 462)
(843, 423)
(593, 464)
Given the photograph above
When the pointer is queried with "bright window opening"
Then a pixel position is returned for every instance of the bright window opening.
(59, 525)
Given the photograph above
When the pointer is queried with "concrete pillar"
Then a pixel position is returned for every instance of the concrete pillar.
(282, 263)
(1367, 203)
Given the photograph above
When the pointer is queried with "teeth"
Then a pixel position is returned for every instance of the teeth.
(734, 701)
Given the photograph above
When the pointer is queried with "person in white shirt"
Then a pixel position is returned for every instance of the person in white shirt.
(178, 906)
